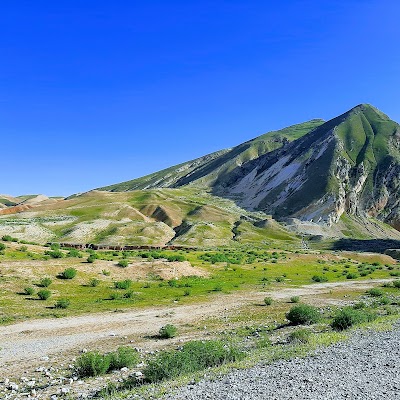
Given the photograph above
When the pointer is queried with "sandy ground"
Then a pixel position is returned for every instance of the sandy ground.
(24, 344)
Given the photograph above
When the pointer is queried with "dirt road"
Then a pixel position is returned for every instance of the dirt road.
(24, 344)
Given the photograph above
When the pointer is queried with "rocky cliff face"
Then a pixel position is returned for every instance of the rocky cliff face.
(349, 164)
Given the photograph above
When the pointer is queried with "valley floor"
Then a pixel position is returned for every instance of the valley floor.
(29, 348)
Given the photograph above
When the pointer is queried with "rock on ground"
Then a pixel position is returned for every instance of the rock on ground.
(367, 367)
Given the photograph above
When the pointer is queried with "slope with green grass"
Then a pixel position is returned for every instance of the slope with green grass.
(206, 170)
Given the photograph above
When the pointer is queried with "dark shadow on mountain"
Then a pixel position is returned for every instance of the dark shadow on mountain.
(370, 245)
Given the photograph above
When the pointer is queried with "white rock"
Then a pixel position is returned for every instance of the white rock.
(124, 369)
(45, 358)
(64, 390)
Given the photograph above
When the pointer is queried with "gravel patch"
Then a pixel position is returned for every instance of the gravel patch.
(365, 367)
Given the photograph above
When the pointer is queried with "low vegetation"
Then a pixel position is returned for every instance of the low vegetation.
(94, 363)
(194, 356)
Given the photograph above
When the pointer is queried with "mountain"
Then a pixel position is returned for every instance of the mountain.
(206, 170)
(316, 171)
(339, 178)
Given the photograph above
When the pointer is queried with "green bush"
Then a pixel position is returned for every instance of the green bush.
(396, 284)
(303, 314)
(349, 316)
(299, 336)
(74, 253)
(55, 246)
(126, 284)
(91, 259)
(8, 238)
(168, 331)
(92, 364)
(319, 278)
(279, 279)
(268, 301)
(123, 263)
(105, 272)
(351, 275)
(2, 246)
(44, 294)
(295, 299)
(194, 356)
(123, 357)
(45, 282)
(54, 253)
(115, 296)
(68, 273)
(29, 291)
(62, 303)
(94, 282)
(375, 292)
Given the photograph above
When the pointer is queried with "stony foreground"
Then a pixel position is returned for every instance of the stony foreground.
(366, 367)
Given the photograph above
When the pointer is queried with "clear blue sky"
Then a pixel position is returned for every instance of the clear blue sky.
(96, 92)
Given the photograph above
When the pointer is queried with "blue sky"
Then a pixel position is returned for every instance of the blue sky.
(98, 92)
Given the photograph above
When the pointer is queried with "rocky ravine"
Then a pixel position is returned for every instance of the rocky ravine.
(364, 368)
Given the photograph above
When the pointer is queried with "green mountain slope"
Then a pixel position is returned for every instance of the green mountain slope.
(349, 164)
(205, 171)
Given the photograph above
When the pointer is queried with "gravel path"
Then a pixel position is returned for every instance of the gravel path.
(366, 367)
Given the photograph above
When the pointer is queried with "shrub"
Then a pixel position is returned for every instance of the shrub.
(375, 292)
(55, 246)
(23, 249)
(123, 357)
(29, 291)
(187, 292)
(74, 253)
(92, 364)
(115, 296)
(268, 301)
(303, 314)
(44, 294)
(126, 284)
(348, 317)
(279, 279)
(299, 336)
(123, 263)
(45, 282)
(8, 238)
(94, 282)
(54, 253)
(168, 331)
(351, 275)
(68, 273)
(62, 303)
(91, 259)
(396, 284)
(295, 299)
(194, 356)
(2, 246)
(176, 257)
(105, 272)
(319, 278)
